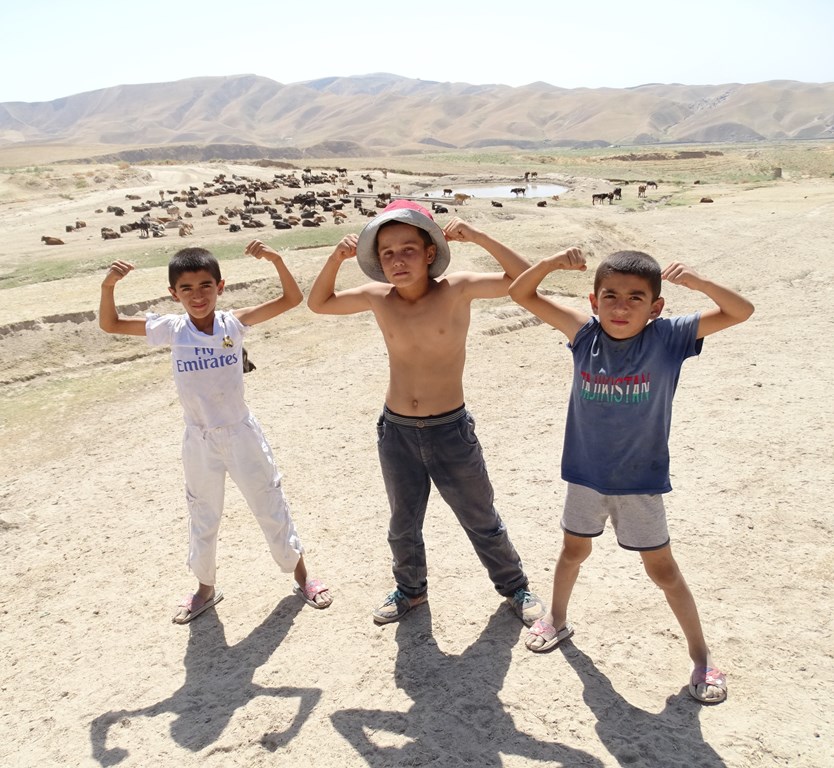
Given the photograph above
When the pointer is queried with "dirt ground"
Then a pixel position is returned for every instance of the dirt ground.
(93, 521)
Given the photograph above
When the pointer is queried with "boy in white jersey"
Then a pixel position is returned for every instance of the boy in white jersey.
(627, 361)
(221, 435)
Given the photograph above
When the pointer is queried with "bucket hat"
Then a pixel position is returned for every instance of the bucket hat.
(406, 212)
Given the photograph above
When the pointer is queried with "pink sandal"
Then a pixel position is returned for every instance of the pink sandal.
(550, 636)
(702, 680)
(194, 606)
(311, 590)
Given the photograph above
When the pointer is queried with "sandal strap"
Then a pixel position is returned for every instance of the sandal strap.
(314, 587)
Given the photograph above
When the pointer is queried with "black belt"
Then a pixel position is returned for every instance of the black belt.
(423, 421)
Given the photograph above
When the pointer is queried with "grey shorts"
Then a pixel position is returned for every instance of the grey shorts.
(639, 520)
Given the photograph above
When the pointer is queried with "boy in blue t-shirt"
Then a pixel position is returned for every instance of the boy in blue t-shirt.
(221, 434)
(627, 362)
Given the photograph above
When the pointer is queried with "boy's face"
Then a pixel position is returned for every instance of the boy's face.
(403, 255)
(624, 305)
(197, 292)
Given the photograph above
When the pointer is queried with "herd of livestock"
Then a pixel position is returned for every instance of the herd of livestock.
(308, 201)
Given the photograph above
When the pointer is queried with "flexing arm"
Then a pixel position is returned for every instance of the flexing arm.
(290, 297)
(524, 291)
(108, 316)
(323, 297)
(487, 285)
(731, 307)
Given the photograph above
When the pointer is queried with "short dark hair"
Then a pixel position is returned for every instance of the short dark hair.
(424, 235)
(630, 263)
(192, 260)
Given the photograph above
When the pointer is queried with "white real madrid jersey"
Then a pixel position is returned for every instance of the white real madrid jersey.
(208, 369)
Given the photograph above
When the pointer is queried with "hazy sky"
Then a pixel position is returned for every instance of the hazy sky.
(55, 48)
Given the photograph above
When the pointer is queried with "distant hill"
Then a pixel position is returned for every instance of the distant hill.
(384, 113)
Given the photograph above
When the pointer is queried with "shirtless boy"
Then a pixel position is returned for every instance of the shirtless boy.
(425, 434)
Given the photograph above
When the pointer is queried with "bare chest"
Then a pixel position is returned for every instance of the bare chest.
(428, 327)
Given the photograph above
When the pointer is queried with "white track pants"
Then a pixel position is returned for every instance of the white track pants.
(243, 452)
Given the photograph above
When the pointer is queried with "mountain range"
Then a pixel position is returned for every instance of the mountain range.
(382, 114)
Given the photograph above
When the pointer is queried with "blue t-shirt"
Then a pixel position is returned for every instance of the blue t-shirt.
(620, 409)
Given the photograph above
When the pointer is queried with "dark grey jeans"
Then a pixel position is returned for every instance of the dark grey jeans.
(414, 453)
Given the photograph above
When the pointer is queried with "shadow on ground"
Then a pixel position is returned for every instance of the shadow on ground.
(218, 682)
(457, 717)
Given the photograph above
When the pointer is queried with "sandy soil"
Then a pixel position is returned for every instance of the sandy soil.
(93, 538)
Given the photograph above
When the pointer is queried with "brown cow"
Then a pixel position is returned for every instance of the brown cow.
(51, 240)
